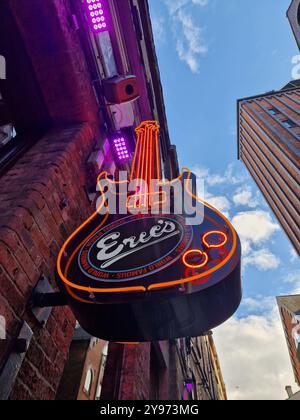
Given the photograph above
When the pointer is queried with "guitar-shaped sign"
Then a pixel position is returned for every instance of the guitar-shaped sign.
(151, 272)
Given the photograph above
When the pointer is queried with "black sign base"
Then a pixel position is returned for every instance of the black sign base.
(154, 317)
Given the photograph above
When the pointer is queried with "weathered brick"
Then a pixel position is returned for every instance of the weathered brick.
(60, 361)
(32, 230)
(21, 392)
(39, 387)
(11, 318)
(47, 343)
(15, 247)
(10, 292)
(46, 368)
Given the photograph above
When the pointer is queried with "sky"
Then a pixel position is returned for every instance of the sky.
(211, 53)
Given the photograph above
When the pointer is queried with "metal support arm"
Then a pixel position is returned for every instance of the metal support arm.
(43, 299)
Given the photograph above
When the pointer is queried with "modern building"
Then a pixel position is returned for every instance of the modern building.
(79, 74)
(289, 307)
(269, 146)
(293, 15)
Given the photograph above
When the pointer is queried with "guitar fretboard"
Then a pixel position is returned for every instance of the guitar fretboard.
(147, 158)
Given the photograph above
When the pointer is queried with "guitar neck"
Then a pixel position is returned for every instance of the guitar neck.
(147, 159)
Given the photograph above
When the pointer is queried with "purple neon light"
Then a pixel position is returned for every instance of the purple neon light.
(189, 387)
(97, 15)
(121, 149)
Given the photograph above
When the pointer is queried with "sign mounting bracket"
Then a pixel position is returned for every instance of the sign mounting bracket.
(43, 299)
(14, 362)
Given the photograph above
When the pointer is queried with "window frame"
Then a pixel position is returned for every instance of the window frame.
(289, 124)
(273, 111)
(21, 100)
(86, 390)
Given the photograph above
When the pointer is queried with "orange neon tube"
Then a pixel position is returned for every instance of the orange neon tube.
(215, 232)
(191, 252)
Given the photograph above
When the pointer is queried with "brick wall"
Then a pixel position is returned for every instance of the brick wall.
(93, 361)
(142, 372)
(33, 226)
(135, 377)
(288, 328)
(56, 54)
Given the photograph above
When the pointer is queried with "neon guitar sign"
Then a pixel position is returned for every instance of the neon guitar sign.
(151, 276)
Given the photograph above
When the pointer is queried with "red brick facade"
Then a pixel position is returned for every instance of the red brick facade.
(289, 307)
(135, 379)
(54, 49)
(143, 372)
(33, 227)
(289, 326)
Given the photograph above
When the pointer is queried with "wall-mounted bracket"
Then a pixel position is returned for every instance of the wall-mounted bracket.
(43, 300)
(15, 360)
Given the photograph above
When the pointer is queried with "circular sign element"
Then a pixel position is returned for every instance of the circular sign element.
(135, 247)
(189, 262)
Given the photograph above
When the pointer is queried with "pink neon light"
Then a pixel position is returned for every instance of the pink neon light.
(121, 149)
(97, 14)
(189, 387)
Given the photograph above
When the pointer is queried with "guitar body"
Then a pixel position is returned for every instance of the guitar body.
(148, 277)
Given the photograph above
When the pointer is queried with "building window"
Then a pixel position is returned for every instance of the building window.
(24, 116)
(7, 134)
(289, 123)
(7, 129)
(102, 371)
(298, 15)
(274, 111)
(88, 381)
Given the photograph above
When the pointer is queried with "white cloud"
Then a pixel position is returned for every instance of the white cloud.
(255, 226)
(294, 255)
(158, 24)
(176, 5)
(262, 259)
(229, 177)
(255, 229)
(190, 44)
(293, 279)
(244, 197)
(219, 202)
(206, 178)
(253, 351)
(258, 305)
(254, 357)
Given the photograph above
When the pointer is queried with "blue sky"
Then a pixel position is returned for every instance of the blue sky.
(212, 52)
